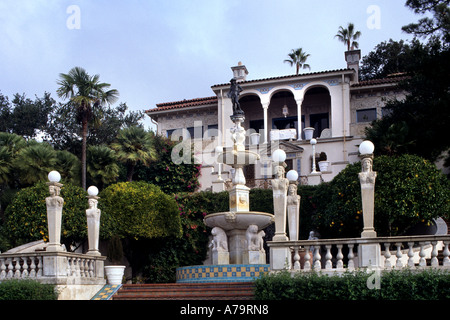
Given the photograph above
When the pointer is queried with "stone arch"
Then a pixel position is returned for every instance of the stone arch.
(316, 107)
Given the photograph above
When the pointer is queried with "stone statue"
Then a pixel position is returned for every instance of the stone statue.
(293, 198)
(219, 242)
(293, 211)
(280, 183)
(93, 222)
(367, 179)
(367, 176)
(54, 199)
(279, 187)
(54, 216)
(233, 94)
(254, 238)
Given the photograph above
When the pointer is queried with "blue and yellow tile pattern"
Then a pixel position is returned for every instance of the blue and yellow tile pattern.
(221, 273)
(106, 292)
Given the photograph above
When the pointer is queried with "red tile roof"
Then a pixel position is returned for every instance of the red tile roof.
(184, 104)
(374, 82)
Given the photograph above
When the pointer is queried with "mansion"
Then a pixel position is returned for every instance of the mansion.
(282, 112)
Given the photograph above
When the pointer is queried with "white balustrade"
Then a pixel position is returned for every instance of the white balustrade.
(338, 255)
(31, 265)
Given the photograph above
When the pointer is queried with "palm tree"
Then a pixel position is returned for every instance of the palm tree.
(69, 166)
(134, 145)
(5, 165)
(85, 93)
(34, 162)
(298, 58)
(348, 36)
(102, 166)
(10, 146)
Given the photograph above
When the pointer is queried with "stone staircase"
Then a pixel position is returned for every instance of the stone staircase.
(186, 291)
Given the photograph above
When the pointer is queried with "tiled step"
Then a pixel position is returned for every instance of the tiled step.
(186, 291)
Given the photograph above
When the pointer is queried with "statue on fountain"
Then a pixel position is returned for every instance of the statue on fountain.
(233, 94)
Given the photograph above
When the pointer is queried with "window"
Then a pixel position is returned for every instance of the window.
(366, 115)
(257, 125)
(319, 122)
(213, 131)
(285, 123)
(169, 133)
(195, 132)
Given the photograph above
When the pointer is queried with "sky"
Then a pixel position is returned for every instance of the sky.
(155, 51)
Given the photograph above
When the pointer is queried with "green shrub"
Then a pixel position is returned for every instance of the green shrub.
(165, 255)
(26, 290)
(138, 210)
(26, 216)
(394, 285)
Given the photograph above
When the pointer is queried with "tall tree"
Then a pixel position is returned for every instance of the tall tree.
(297, 58)
(134, 145)
(34, 162)
(437, 23)
(349, 36)
(85, 93)
(391, 57)
(102, 167)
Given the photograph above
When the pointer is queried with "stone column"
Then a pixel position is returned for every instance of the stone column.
(369, 254)
(279, 186)
(93, 221)
(293, 209)
(54, 212)
(266, 122)
(280, 258)
(299, 118)
(367, 179)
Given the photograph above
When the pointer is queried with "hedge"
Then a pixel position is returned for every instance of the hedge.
(393, 285)
(138, 210)
(27, 290)
(26, 217)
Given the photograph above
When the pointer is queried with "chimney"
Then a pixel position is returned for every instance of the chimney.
(352, 58)
(240, 72)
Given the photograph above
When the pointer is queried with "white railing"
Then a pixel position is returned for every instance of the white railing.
(73, 267)
(340, 255)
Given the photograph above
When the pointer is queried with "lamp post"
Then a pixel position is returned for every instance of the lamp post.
(369, 253)
(367, 179)
(54, 205)
(93, 220)
(280, 186)
(293, 205)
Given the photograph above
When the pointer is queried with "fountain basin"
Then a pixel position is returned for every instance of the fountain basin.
(239, 157)
(239, 220)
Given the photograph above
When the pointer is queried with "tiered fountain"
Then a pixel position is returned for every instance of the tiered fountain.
(237, 244)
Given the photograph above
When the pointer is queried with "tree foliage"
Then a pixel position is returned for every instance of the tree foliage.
(409, 190)
(349, 36)
(134, 145)
(391, 58)
(297, 58)
(170, 177)
(138, 210)
(26, 217)
(419, 123)
(437, 23)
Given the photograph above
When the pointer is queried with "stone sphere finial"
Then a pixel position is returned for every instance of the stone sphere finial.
(366, 147)
(54, 176)
(92, 191)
